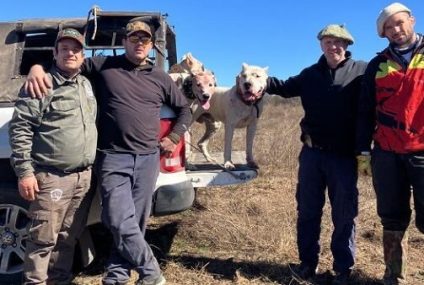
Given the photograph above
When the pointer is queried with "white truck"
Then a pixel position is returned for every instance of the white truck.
(23, 43)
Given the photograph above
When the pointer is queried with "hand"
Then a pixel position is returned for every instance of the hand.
(37, 82)
(364, 164)
(167, 146)
(28, 187)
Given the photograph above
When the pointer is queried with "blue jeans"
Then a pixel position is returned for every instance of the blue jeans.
(395, 178)
(127, 183)
(319, 170)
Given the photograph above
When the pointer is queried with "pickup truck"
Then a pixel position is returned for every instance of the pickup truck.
(26, 42)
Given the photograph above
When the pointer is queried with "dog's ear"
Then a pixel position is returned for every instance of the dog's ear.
(266, 69)
(244, 66)
(214, 79)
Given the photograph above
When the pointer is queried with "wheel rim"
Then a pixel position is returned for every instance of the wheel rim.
(13, 235)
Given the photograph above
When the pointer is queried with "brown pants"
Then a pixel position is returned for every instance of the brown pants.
(58, 216)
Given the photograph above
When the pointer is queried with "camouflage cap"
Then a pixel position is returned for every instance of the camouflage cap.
(337, 31)
(136, 25)
(70, 33)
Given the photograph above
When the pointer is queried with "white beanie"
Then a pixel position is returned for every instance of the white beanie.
(386, 13)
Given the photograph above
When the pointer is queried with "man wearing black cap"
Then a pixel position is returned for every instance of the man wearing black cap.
(392, 115)
(130, 91)
(54, 169)
(328, 90)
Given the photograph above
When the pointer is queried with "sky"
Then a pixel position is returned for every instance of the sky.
(223, 34)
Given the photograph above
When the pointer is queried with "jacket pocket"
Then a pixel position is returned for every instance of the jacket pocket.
(64, 105)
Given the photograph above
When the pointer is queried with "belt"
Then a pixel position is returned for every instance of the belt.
(57, 170)
(78, 169)
(307, 140)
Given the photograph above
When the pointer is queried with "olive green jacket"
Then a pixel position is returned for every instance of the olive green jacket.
(57, 131)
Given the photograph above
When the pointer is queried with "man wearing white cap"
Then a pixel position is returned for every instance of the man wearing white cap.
(391, 113)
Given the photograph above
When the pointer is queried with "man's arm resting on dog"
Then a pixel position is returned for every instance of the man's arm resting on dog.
(37, 83)
(287, 89)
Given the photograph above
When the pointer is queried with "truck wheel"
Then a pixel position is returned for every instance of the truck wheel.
(13, 234)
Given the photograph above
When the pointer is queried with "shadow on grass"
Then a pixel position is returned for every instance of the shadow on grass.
(160, 240)
(280, 273)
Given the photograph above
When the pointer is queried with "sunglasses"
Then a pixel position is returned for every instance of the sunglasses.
(136, 39)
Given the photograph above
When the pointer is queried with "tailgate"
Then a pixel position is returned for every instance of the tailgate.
(213, 174)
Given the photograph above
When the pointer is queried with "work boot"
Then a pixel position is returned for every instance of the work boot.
(160, 280)
(395, 244)
(341, 278)
(303, 271)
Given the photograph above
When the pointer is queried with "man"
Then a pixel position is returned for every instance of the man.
(54, 169)
(328, 90)
(131, 92)
(392, 114)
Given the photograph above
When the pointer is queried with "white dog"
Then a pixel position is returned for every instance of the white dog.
(237, 107)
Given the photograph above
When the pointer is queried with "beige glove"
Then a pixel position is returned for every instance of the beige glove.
(364, 164)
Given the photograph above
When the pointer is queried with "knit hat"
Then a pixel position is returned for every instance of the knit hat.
(337, 31)
(386, 13)
(70, 33)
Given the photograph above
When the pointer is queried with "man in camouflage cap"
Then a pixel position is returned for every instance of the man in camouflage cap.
(132, 90)
(54, 168)
(328, 90)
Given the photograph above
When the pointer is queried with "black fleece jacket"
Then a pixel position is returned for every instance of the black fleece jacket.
(329, 98)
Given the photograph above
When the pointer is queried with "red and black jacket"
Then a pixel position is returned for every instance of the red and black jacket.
(391, 110)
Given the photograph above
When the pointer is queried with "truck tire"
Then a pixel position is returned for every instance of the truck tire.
(13, 234)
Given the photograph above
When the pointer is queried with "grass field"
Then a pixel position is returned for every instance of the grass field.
(246, 234)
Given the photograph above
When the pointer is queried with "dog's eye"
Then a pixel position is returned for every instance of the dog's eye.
(210, 84)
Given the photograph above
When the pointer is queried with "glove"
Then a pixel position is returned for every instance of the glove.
(364, 164)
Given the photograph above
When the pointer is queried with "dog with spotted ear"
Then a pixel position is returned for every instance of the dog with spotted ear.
(237, 107)
(198, 85)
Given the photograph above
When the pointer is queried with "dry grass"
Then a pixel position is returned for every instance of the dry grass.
(246, 234)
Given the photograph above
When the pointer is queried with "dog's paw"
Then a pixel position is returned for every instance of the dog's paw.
(229, 165)
(252, 164)
(208, 158)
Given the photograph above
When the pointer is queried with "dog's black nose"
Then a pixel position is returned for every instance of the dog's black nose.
(247, 85)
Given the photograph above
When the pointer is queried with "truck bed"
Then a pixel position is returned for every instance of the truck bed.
(207, 173)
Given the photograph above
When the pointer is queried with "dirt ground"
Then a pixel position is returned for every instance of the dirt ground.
(246, 234)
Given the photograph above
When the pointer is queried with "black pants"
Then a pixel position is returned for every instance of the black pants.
(127, 182)
(318, 171)
(395, 178)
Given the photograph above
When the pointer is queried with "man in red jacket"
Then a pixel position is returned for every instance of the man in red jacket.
(391, 113)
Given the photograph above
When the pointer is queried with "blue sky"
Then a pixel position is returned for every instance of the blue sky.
(225, 33)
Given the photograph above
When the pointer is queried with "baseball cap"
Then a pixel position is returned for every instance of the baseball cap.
(387, 13)
(136, 25)
(337, 31)
(70, 33)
